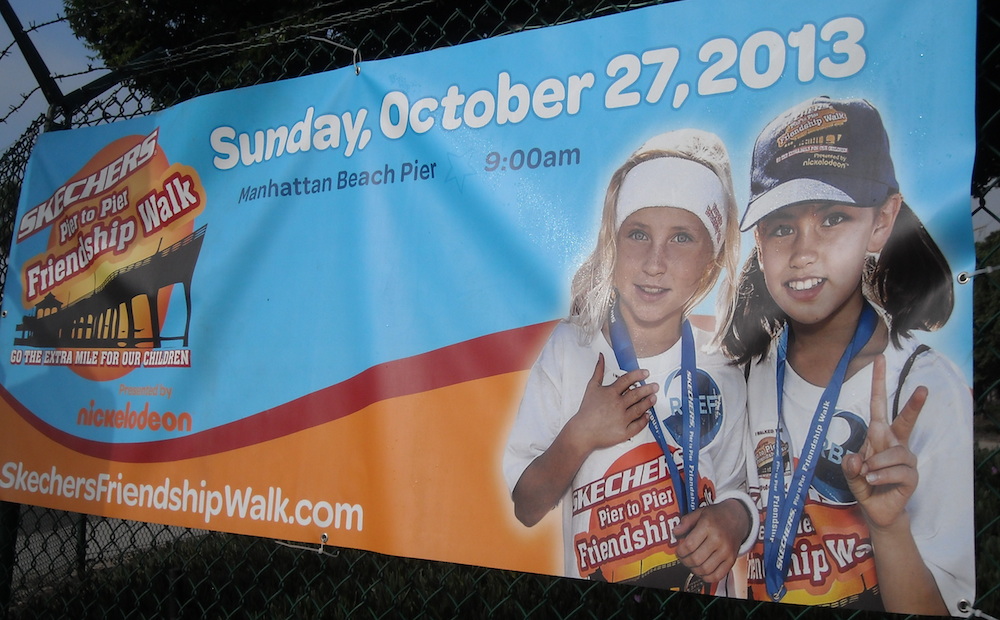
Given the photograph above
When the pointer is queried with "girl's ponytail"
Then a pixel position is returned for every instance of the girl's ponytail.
(911, 279)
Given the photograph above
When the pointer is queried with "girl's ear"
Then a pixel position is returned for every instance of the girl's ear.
(885, 219)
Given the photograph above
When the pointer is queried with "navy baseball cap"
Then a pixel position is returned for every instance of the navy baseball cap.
(821, 150)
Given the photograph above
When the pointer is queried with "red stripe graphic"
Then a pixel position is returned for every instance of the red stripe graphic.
(479, 358)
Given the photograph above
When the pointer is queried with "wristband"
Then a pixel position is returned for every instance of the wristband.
(751, 536)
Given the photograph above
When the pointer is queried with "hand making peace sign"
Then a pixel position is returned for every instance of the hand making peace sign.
(883, 474)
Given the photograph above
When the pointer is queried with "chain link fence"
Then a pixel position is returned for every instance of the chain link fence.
(56, 564)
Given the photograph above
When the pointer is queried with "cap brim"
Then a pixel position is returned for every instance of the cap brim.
(792, 192)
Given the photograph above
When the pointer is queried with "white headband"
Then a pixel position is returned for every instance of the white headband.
(679, 183)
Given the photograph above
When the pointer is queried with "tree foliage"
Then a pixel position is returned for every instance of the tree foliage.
(200, 47)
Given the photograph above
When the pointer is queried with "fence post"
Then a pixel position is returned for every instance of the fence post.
(81, 546)
(10, 518)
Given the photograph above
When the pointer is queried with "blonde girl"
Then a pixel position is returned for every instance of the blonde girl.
(650, 475)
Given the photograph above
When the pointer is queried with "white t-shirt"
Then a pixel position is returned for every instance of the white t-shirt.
(833, 561)
(620, 510)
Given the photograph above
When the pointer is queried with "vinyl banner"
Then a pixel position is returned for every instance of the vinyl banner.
(309, 310)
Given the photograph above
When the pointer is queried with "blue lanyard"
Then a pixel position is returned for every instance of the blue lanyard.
(784, 510)
(687, 487)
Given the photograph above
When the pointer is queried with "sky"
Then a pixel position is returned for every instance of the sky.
(58, 47)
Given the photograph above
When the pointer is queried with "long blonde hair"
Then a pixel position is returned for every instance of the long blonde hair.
(592, 290)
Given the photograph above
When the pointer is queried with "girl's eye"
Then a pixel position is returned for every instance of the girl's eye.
(780, 230)
(637, 235)
(683, 237)
(833, 219)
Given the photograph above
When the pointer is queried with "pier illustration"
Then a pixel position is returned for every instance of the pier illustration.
(106, 317)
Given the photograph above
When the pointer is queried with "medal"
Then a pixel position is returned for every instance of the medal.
(695, 585)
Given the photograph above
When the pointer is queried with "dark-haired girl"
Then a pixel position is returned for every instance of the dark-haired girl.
(860, 437)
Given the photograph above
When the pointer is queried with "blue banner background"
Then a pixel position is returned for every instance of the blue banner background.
(293, 294)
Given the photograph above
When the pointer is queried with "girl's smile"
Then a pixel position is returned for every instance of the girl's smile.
(806, 289)
(662, 258)
(805, 285)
